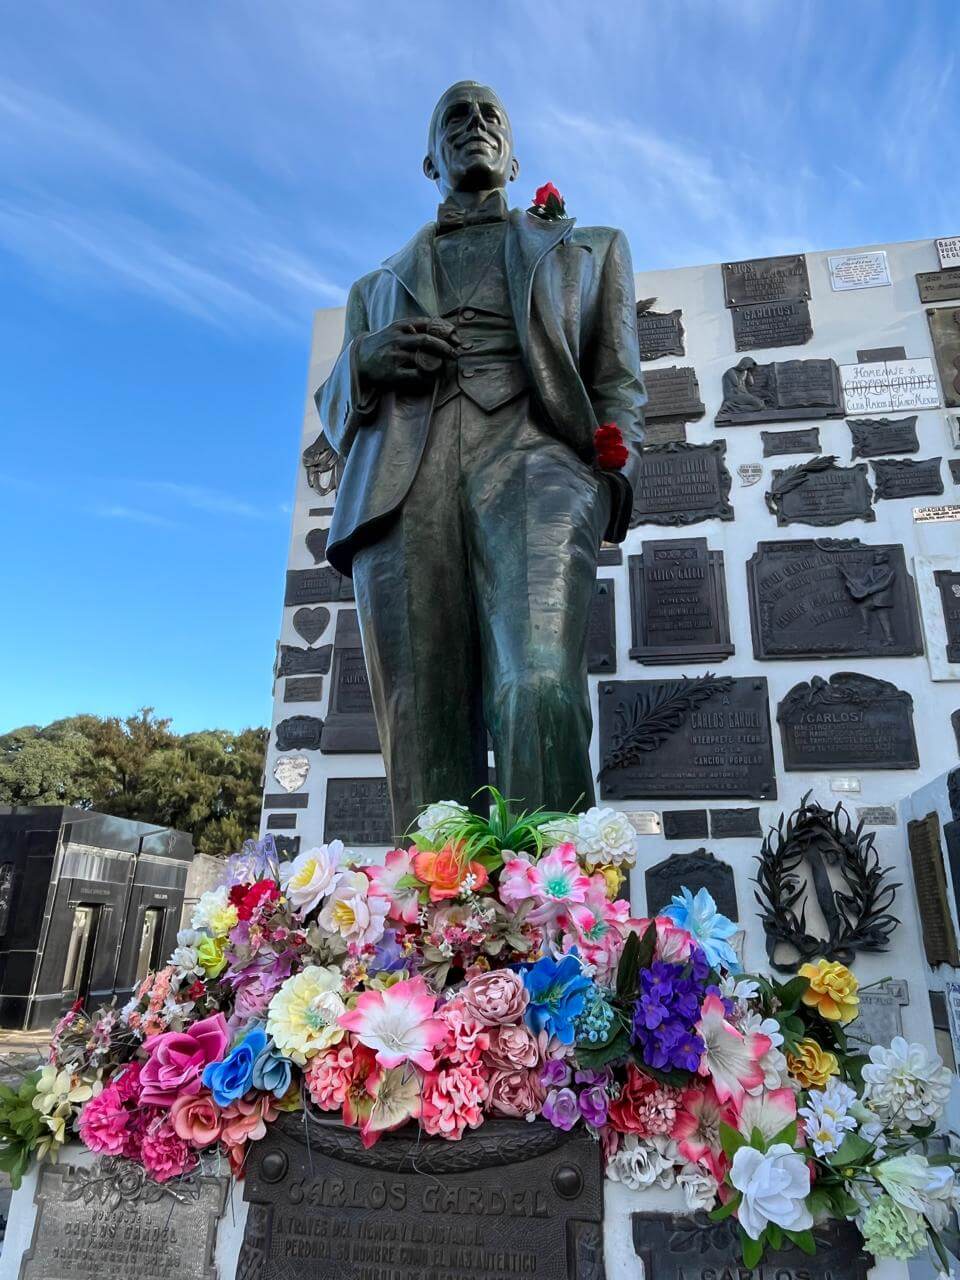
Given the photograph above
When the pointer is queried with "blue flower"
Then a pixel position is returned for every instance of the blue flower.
(557, 991)
(272, 1072)
(708, 928)
(231, 1078)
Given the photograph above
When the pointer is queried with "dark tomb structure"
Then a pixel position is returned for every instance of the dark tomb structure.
(91, 904)
(678, 603)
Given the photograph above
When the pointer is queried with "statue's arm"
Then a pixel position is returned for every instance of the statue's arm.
(343, 404)
(615, 382)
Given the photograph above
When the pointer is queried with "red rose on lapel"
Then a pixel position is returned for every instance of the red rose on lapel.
(611, 451)
(548, 203)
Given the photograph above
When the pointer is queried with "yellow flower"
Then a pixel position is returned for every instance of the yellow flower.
(832, 991)
(613, 878)
(811, 1065)
(210, 956)
(303, 1015)
(222, 920)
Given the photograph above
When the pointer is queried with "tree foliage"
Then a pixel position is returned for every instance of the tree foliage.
(207, 783)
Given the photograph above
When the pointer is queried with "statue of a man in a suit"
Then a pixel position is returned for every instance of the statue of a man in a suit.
(477, 366)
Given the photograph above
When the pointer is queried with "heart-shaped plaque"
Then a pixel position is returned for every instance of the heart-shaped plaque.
(311, 623)
(291, 772)
(316, 541)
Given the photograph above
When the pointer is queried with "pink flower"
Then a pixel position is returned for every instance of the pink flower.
(404, 903)
(196, 1119)
(467, 1037)
(512, 1048)
(127, 1083)
(599, 928)
(557, 881)
(644, 1107)
(328, 1075)
(769, 1112)
(516, 881)
(696, 1129)
(247, 1118)
(497, 998)
(398, 1023)
(177, 1060)
(163, 1153)
(731, 1060)
(517, 1093)
(453, 1100)
(103, 1123)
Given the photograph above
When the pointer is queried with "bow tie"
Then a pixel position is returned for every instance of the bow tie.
(453, 217)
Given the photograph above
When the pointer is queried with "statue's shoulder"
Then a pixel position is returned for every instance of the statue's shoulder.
(596, 238)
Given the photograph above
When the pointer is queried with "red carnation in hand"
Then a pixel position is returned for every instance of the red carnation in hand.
(611, 451)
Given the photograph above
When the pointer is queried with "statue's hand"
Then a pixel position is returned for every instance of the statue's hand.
(407, 353)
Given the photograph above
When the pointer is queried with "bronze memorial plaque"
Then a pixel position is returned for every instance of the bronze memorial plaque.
(930, 882)
(851, 721)
(358, 811)
(780, 391)
(660, 332)
(511, 1199)
(678, 603)
(819, 492)
(771, 324)
(944, 325)
(782, 279)
(679, 484)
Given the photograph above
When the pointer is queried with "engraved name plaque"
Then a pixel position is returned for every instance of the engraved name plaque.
(832, 597)
(673, 393)
(303, 689)
(903, 478)
(660, 332)
(780, 279)
(299, 733)
(780, 391)
(819, 492)
(678, 603)
(939, 286)
(512, 1199)
(317, 586)
(602, 629)
(350, 724)
(697, 870)
(699, 738)
(771, 324)
(684, 824)
(804, 440)
(873, 437)
(358, 811)
(851, 720)
(944, 325)
(681, 484)
(294, 661)
(735, 824)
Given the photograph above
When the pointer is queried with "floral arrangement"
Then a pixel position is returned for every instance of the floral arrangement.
(491, 969)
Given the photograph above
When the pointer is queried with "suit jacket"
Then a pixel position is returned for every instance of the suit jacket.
(573, 300)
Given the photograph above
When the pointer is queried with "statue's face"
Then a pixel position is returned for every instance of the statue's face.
(472, 144)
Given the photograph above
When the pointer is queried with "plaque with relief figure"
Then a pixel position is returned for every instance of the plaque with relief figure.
(848, 721)
(819, 492)
(779, 392)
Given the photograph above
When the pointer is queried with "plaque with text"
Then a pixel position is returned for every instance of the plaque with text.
(939, 286)
(904, 478)
(108, 1223)
(280, 800)
(879, 1018)
(310, 624)
(685, 1246)
(358, 811)
(782, 279)
(299, 733)
(287, 846)
(780, 391)
(684, 824)
(954, 465)
(678, 484)
(609, 553)
(697, 738)
(870, 355)
(664, 431)
(672, 392)
(948, 584)
(804, 440)
(820, 493)
(282, 822)
(944, 325)
(509, 1199)
(930, 883)
(948, 251)
(889, 386)
(303, 689)
(294, 661)
(868, 270)
(602, 629)
(317, 586)
(848, 721)
(877, 815)
(660, 332)
(936, 515)
(873, 437)
(316, 541)
(832, 598)
(678, 603)
(350, 724)
(693, 871)
(735, 824)
(771, 324)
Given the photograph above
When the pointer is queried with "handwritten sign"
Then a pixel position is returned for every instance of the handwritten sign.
(890, 386)
(858, 270)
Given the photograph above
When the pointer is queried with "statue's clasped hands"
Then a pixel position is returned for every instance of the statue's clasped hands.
(406, 353)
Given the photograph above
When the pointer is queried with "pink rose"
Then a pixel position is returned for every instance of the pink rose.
(247, 1118)
(512, 1048)
(165, 1155)
(103, 1123)
(516, 1093)
(467, 1037)
(497, 998)
(177, 1060)
(452, 1100)
(196, 1119)
(328, 1075)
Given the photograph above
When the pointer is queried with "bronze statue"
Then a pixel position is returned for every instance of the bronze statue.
(477, 365)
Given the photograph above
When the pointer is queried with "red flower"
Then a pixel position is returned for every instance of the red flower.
(544, 193)
(246, 898)
(611, 451)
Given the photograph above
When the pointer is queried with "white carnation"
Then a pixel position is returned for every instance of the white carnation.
(606, 837)
(208, 905)
(699, 1187)
(643, 1162)
(434, 815)
(905, 1084)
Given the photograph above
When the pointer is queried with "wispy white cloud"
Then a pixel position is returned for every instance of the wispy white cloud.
(135, 515)
(200, 498)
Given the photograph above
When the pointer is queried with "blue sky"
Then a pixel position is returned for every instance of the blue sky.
(181, 185)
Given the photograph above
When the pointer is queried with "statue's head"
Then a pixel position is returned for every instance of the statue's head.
(470, 145)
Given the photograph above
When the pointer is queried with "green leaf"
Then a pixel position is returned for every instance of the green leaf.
(852, 1150)
(731, 1140)
(727, 1210)
(592, 1057)
(628, 969)
(757, 1140)
(774, 1236)
(803, 1240)
(787, 1134)
(791, 993)
(752, 1250)
(648, 945)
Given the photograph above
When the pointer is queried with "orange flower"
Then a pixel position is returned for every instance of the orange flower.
(811, 1065)
(445, 872)
(832, 991)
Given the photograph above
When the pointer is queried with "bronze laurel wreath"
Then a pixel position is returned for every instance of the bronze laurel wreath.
(858, 917)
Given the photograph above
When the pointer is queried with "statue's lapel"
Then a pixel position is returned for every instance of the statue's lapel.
(528, 239)
(413, 267)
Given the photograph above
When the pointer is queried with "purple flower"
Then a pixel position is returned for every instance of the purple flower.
(561, 1109)
(667, 1011)
(594, 1103)
(388, 954)
(555, 1073)
(593, 1076)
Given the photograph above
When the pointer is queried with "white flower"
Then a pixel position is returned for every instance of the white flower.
(303, 1016)
(606, 837)
(827, 1116)
(643, 1162)
(734, 987)
(917, 1185)
(311, 875)
(773, 1187)
(773, 1064)
(352, 911)
(209, 904)
(905, 1083)
(434, 815)
(699, 1187)
(185, 959)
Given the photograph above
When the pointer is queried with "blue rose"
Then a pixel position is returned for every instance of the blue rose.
(272, 1072)
(557, 991)
(231, 1078)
